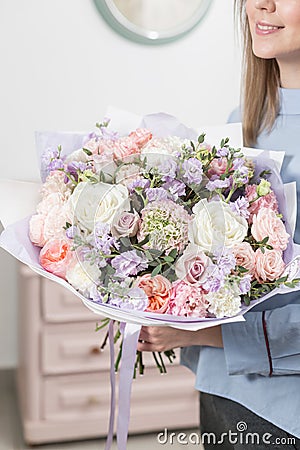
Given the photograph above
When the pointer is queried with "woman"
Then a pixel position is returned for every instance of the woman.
(249, 373)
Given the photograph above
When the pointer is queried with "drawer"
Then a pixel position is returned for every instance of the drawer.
(156, 402)
(73, 348)
(60, 305)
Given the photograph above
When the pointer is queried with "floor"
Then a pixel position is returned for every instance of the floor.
(11, 432)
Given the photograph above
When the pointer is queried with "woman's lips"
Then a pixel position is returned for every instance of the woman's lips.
(266, 28)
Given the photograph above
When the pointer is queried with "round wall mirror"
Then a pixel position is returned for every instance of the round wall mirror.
(153, 21)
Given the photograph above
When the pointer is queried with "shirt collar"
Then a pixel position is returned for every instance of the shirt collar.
(289, 101)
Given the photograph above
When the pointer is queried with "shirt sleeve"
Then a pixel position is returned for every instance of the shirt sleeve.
(267, 343)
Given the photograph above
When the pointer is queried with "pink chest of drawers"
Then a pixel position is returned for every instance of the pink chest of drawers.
(63, 378)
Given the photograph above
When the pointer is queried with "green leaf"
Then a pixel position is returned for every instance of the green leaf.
(87, 151)
(125, 241)
(242, 269)
(201, 138)
(168, 259)
(156, 270)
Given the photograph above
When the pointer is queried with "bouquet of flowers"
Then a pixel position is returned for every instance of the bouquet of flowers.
(163, 225)
(160, 228)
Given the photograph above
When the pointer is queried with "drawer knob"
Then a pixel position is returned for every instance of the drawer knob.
(93, 400)
(95, 350)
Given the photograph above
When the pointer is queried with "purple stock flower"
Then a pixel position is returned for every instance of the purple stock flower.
(214, 282)
(129, 263)
(238, 163)
(222, 151)
(212, 185)
(168, 169)
(240, 207)
(72, 231)
(175, 187)
(245, 284)
(193, 170)
(156, 194)
(225, 260)
(142, 183)
(102, 238)
(76, 166)
(55, 164)
(136, 299)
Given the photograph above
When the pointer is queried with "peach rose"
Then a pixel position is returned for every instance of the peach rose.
(268, 265)
(56, 256)
(158, 290)
(218, 166)
(266, 223)
(245, 256)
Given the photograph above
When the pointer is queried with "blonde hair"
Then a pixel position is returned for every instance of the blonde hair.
(260, 83)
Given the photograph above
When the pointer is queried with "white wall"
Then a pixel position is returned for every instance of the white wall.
(61, 66)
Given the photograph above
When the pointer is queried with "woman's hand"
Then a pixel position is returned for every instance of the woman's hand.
(160, 339)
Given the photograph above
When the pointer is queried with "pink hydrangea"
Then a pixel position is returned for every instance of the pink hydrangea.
(187, 300)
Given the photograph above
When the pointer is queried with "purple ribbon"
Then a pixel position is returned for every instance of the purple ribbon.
(112, 386)
(130, 340)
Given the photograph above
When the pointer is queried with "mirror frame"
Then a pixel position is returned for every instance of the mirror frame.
(133, 32)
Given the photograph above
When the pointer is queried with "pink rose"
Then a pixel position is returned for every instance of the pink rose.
(218, 166)
(193, 266)
(187, 300)
(55, 183)
(125, 147)
(267, 201)
(158, 291)
(56, 256)
(141, 136)
(125, 224)
(266, 223)
(245, 256)
(268, 265)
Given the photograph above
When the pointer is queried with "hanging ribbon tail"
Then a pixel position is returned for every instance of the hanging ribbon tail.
(130, 340)
(110, 434)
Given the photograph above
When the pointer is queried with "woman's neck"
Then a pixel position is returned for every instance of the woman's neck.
(289, 74)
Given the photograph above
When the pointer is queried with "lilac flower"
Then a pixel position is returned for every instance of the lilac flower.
(109, 135)
(76, 166)
(154, 194)
(225, 260)
(129, 263)
(55, 165)
(168, 169)
(238, 163)
(72, 231)
(95, 295)
(193, 170)
(222, 151)
(212, 185)
(103, 241)
(175, 187)
(214, 282)
(135, 299)
(240, 207)
(142, 183)
(245, 284)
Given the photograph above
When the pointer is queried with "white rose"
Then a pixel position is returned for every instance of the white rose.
(92, 203)
(214, 225)
(224, 303)
(82, 276)
(78, 155)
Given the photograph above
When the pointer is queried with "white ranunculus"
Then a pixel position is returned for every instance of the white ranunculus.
(215, 225)
(82, 276)
(92, 203)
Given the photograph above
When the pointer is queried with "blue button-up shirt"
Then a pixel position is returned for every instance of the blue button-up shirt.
(241, 370)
